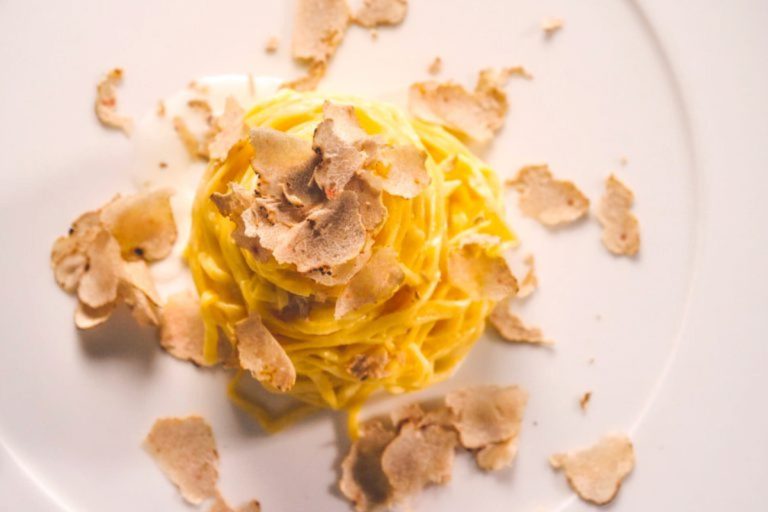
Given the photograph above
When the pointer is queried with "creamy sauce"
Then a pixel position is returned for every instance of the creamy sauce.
(162, 161)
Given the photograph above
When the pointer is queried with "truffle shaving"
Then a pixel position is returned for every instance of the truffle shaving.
(418, 457)
(372, 209)
(143, 224)
(377, 281)
(621, 231)
(284, 160)
(511, 327)
(476, 268)
(409, 413)
(486, 415)
(272, 44)
(87, 317)
(548, 200)
(68, 255)
(143, 310)
(406, 174)
(374, 13)
(530, 281)
(229, 128)
(497, 456)
(195, 148)
(341, 274)
(185, 450)
(262, 355)
(106, 102)
(435, 66)
(308, 82)
(478, 115)
(596, 473)
(363, 480)
(318, 29)
(341, 160)
(182, 331)
(221, 505)
(551, 26)
(329, 236)
(99, 283)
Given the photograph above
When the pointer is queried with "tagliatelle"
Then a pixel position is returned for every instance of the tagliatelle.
(419, 334)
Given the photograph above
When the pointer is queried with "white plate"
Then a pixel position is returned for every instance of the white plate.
(676, 337)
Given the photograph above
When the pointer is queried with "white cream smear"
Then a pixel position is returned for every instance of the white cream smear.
(162, 161)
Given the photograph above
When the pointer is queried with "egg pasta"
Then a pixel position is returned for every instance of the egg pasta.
(421, 332)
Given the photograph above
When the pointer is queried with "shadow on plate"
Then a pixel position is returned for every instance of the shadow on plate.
(121, 338)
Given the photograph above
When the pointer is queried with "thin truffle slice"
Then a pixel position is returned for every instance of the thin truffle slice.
(136, 274)
(182, 331)
(185, 450)
(374, 13)
(87, 317)
(497, 456)
(272, 44)
(406, 174)
(454, 107)
(69, 267)
(235, 201)
(337, 275)
(487, 414)
(418, 457)
(435, 66)
(249, 506)
(229, 129)
(511, 327)
(68, 254)
(377, 281)
(238, 204)
(259, 228)
(262, 355)
(143, 224)
(550, 201)
(551, 26)
(143, 310)
(137, 290)
(344, 148)
(363, 480)
(99, 283)
(621, 231)
(329, 236)
(346, 123)
(195, 148)
(372, 209)
(474, 268)
(106, 102)
(530, 281)
(286, 163)
(409, 413)
(584, 400)
(478, 115)
(308, 82)
(220, 505)
(318, 28)
(596, 473)
(201, 105)
(340, 158)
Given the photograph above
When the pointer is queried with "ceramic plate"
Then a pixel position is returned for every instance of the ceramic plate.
(669, 96)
